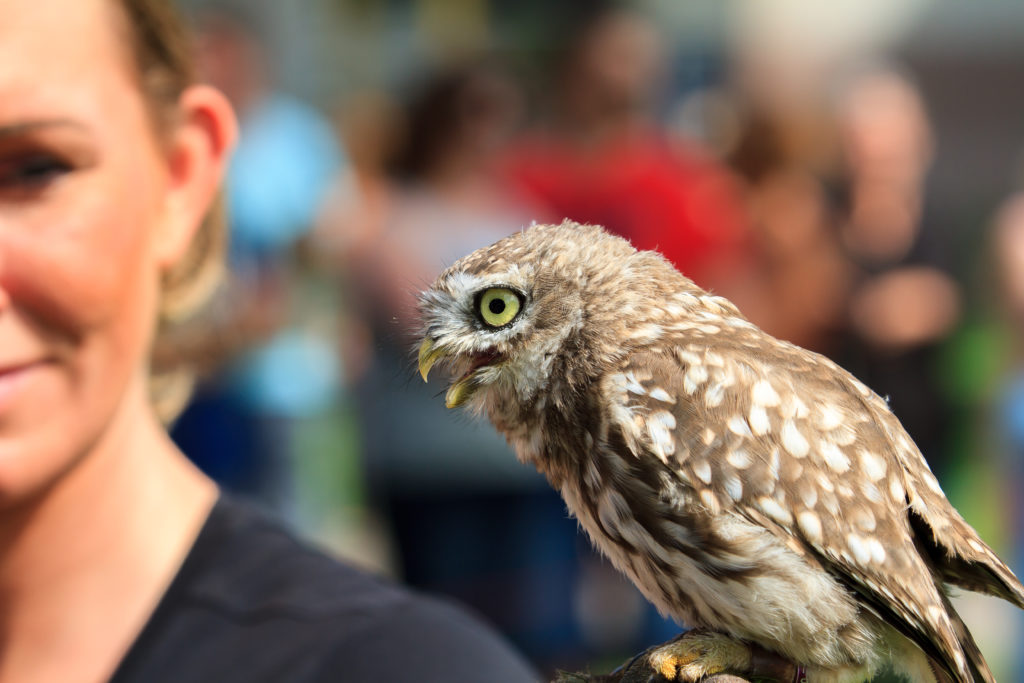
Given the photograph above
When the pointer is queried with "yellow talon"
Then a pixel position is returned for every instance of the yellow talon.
(698, 654)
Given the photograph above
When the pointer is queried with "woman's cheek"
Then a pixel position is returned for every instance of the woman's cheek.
(79, 270)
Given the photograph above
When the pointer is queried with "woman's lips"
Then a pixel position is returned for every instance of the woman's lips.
(13, 377)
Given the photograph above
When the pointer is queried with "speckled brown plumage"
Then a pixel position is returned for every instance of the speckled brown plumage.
(745, 485)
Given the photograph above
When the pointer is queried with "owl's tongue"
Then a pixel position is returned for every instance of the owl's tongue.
(481, 360)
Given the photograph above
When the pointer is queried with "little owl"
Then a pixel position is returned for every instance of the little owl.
(750, 488)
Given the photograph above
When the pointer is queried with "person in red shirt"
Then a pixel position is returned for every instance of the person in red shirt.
(602, 158)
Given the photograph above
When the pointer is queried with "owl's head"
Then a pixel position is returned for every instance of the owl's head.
(525, 318)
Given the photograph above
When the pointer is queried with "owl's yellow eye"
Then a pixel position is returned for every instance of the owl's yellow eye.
(499, 306)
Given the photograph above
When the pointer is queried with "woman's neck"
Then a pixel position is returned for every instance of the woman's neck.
(83, 564)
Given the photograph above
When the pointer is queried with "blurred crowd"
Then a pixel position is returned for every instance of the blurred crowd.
(799, 184)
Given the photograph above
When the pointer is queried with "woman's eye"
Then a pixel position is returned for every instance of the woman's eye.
(30, 173)
(499, 306)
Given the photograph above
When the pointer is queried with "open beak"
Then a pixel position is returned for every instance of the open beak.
(429, 355)
(463, 388)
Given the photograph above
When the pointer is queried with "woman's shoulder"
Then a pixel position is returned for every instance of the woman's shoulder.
(254, 603)
(247, 562)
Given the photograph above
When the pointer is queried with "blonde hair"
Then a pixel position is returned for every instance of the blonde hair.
(162, 52)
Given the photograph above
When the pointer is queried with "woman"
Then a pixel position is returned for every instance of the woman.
(118, 560)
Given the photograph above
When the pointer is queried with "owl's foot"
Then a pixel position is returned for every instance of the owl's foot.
(707, 656)
(699, 653)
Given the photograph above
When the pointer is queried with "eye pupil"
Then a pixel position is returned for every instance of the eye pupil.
(496, 306)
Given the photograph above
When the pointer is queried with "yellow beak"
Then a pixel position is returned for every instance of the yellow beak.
(429, 355)
(459, 392)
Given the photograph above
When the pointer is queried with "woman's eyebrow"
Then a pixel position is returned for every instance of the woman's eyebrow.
(22, 127)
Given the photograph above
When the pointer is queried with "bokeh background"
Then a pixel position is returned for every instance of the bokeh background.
(849, 173)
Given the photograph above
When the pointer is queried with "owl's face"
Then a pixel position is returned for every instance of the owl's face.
(497, 327)
(502, 317)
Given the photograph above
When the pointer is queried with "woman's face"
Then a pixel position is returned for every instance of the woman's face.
(84, 190)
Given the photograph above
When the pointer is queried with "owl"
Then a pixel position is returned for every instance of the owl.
(749, 488)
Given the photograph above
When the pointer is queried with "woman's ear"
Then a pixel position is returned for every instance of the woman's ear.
(197, 155)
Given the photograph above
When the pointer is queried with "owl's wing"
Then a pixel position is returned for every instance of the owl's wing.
(788, 440)
(957, 552)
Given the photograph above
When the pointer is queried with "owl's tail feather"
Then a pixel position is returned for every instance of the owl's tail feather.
(983, 574)
(1013, 591)
(975, 660)
(964, 560)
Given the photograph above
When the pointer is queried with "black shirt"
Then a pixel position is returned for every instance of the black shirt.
(251, 604)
